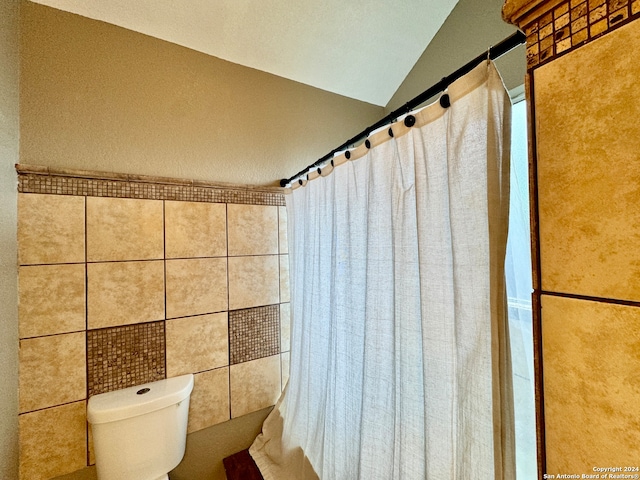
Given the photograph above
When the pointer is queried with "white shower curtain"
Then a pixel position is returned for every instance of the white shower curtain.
(399, 349)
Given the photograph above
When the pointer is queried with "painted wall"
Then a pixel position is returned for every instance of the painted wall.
(472, 27)
(9, 147)
(99, 97)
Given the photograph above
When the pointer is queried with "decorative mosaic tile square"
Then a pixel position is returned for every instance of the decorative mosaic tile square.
(254, 333)
(125, 356)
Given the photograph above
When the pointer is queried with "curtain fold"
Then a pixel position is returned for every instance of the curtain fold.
(400, 362)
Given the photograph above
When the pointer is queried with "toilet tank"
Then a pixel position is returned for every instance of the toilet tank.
(140, 432)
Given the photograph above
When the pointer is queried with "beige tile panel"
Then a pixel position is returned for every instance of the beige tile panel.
(285, 359)
(122, 293)
(253, 229)
(591, 361)
(196, 286)
(195, 229)
(253, 281)
(53, 442)
(51, 299)
(209, 404)
(52, 371)
(285, 295)
(283, 243)
(588, 173)
(285, 327)
(254, 385)
(124, 229)
(196, 344)
(50, 229)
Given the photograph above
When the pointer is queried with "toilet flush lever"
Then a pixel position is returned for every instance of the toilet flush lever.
(142, 391)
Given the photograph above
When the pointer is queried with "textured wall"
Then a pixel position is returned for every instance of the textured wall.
(588, 171)
(99, 97)
(9, 147)
(118, 291)
(592, 366)
(587, 104)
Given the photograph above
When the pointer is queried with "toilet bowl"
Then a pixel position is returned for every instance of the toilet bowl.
(139, 433)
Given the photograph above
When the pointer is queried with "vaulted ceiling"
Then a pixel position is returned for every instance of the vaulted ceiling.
(361, 49)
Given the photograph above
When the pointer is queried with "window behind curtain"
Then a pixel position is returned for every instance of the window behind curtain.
(519, 288)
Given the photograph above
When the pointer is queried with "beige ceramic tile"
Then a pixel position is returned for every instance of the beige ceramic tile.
(254, 385)
(253, 281)
(53, 442)
(285, 363)
(52, 371)
(282, 235)
(122, 293)
(253, 229)
(51, 299)
(50, 229)
(196, 286)
(591, 360)
(196, 344)
(588, 173)
(209, 404)
(285, 327)
(124, 229)
(285, 295)
(195, 229)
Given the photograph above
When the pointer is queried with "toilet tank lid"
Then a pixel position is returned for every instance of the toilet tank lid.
(138, 400)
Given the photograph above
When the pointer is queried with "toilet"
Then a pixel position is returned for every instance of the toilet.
(140, 433)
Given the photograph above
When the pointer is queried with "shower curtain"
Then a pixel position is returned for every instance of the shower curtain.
(400, 363)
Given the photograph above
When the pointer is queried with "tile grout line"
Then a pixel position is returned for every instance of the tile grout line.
(279, 301)
(86, 327)
(164, 262)
(226, 235)
(64, 404)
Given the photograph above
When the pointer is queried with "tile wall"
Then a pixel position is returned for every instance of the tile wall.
(117, 291)
(583, 107)
(589, 246)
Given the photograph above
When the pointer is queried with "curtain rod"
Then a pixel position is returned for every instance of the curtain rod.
(506, 45)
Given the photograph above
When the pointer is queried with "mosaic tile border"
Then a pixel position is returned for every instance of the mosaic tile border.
(254, 333)
(151, 188)
(121, 357)
(573, 23)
